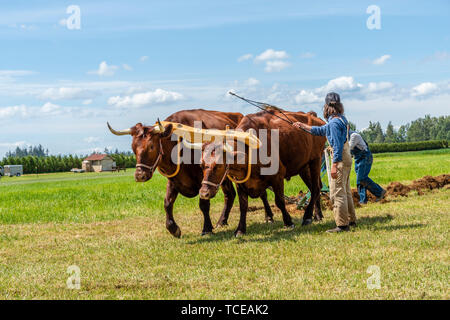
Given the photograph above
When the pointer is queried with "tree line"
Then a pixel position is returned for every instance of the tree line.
(38, 162)
(37, 151)
(422, 129)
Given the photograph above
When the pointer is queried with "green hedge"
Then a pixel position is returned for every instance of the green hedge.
(408, 146)
(32, 164)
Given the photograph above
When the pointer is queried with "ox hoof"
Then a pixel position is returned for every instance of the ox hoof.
(290, 227)
(269, 220)
(206, 233)
(306, 222)
(318, 218)
(177, 232)
(239, 234)
(173, 229)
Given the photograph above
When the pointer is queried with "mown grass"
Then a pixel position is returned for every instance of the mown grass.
(113, 229)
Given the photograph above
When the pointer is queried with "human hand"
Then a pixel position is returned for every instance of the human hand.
(334, 170)
(298, 125)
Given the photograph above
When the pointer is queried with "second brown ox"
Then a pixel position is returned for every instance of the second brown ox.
(300, 153)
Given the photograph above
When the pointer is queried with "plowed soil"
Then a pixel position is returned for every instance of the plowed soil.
(396, 189)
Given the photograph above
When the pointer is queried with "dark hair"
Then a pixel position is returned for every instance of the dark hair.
(332, 109)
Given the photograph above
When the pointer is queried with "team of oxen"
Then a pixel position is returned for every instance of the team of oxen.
(300, 153)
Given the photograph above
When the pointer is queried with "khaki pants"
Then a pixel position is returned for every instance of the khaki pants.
(341, 192)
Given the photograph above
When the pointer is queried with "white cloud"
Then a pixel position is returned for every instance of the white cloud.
(67, 93)
(424, 89)
(343, 83)
(307, 55)
(271, 54)
(379, 86)
(92, 139)
(87, 101)
(50, 109)
(127, 67)
(349, 88)
(245, 57)
(276, 66)
(159, 96)
(381, 60)
(10, 75)
(12, 112)
(306, 97)
(15, 73)
(104, 69)
(143, 58)
(252, 82)
(274, 60)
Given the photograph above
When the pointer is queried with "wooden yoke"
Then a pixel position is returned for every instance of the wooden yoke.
(193, 134)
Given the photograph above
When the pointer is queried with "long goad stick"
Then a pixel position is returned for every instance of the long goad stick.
(263, 106)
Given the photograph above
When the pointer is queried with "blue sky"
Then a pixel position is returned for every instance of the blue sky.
(134, 61)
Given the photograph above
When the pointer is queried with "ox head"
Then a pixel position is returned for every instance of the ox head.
(216, 167)
(146, 145)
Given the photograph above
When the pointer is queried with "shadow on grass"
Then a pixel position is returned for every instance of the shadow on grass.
(277, 231)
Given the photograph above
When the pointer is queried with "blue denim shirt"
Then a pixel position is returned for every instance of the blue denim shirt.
(336, 133)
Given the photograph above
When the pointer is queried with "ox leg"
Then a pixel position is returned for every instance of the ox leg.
(229, 196)
(314, 168)
(278, 189)
(171, 196)
(305, 174)
(243, 207)
(311, 176)
(267, 209)
(318, 216)
(207, 225)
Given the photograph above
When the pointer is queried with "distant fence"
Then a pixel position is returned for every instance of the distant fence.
(408, 146)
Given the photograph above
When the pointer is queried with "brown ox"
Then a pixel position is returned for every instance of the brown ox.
(153, 146)
(300, 154)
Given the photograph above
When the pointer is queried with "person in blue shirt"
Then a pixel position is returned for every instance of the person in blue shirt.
(337, 133)
(359, 149)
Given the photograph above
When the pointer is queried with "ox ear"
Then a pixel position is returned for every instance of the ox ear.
(137, 130)
(167, 131)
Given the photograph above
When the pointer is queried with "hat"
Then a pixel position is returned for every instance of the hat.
(332, 97)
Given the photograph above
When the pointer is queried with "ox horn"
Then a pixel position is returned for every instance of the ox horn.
(118, 133)
(159, 127)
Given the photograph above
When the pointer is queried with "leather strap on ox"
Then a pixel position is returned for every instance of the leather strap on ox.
(158, 160)
(217, 185)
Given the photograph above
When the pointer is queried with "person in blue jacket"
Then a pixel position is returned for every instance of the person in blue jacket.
(359, 149)
(337, 133)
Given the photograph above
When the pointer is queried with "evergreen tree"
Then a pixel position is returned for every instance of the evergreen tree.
(391, 135)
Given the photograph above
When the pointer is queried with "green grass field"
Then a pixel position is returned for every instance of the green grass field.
(113, 229)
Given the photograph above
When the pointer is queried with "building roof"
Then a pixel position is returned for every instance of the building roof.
(96, 157)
